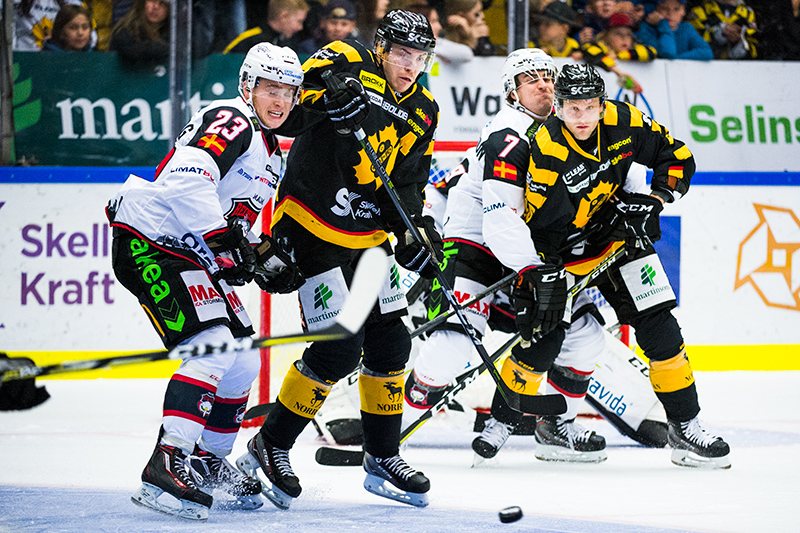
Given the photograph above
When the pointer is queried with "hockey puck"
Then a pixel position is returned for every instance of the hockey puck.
(510, 514)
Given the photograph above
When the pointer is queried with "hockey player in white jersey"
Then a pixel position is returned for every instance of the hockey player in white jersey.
(501, 157)
(181, 243)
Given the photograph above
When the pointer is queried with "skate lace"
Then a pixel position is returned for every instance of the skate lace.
(180, 467)
(573, 432)
(694, 431)
(495, 432)
(280, 462)
(397, 466)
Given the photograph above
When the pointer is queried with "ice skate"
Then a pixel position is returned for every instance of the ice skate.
(168, 486)
(564, 440)
(693, 446)
(488, 443)
(282, 486)
(213, 472)
(392, 478)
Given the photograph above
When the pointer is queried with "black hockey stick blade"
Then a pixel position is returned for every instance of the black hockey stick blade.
(328, 456)
(259, 410)
(367, 282)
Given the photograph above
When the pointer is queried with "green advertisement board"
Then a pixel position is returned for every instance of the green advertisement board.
(93, 110)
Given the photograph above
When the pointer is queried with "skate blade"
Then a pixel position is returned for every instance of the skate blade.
(381, 487)
(689, 459)
(148, 497)
(250, 466)
(239, 503)
(545, 452)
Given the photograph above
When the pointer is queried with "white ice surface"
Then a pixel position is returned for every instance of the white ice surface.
(72, 463)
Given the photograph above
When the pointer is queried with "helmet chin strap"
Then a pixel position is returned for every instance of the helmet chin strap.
(519, 107)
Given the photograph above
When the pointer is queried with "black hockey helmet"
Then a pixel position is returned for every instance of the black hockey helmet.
(578, 82)
(406, 29)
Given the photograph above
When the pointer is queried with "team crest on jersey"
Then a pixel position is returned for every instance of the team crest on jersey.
(244, 208)
(386, 144)
(592, 202)
(206, 403)
(239, 418)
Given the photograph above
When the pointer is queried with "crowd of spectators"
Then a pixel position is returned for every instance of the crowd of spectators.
(601, 32)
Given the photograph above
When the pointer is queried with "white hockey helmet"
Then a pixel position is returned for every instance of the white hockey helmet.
(271, 62)
(531, 61)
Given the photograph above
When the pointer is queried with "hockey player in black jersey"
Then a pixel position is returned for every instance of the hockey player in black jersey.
(180, 244)
(578, 168)
(330, 207)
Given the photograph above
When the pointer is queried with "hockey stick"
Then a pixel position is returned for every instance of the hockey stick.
(491, 289)
(367, 282)
(265, 408)
(332, 456)
(518, 402)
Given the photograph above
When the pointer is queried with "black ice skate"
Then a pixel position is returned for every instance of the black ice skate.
(213, 472)
(167, 473)
(693, 446)
(564, 440)
(493, 436)
(392, 478)
(283, 485)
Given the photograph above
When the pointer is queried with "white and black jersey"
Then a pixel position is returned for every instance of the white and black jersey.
(499, 163)
(223, 165)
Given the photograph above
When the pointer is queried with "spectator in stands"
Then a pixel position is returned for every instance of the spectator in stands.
(33, 23)
(447, 51)
(595, 19)
(665, 30)
(215, 23)
(338, 23)
(617, 43)
(141, 37)
(72, 31)
(368, 14)
(729, 26)
(284, 22)
(555, 23)
(465, 24)
(633, 9)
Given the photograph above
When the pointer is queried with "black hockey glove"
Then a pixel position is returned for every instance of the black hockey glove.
(346, 101)
(414, 255)
(540, 299)
(233, 252)
(633, 218)
(276, 273)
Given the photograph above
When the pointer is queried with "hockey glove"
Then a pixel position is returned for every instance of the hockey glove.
(633, 219)
(275, 270)
(540, 299)
(233, 252)
(347, 103)
(414, 255)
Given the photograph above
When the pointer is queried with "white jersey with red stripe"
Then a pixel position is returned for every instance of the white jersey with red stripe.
(224, 164)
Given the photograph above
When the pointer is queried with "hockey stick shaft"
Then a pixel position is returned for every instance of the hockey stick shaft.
(367, 282)
(513, 400)
(491, 289)
(332, 456)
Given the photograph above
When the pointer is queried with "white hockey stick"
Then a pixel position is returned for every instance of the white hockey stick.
(368, 279)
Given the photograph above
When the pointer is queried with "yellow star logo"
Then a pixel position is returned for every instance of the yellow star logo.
(592, 202)
(386, 145)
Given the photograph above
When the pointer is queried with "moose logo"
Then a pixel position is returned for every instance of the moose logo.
(395, 392)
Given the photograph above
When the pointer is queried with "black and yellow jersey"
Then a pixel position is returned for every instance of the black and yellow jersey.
(708, 19)
(330, 187)
(570, 46)
(568, 182)
(598, 54)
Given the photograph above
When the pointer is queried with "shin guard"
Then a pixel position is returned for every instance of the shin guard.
(381, 411)
(302, 392)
